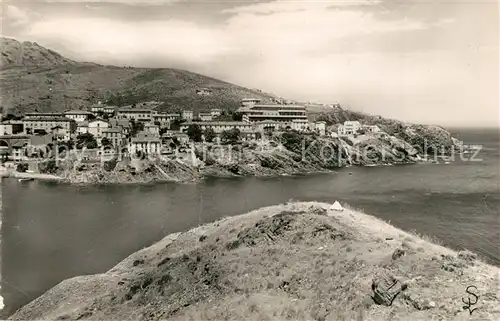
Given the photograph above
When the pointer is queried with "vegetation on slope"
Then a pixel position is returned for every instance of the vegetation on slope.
(52, 83)
(299, 261)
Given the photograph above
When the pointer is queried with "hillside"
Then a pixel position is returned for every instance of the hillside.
(33, 78)
(295, 261)
(28, 54)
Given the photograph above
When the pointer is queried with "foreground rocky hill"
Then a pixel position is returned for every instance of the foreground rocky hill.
(35, 78)
(295, 261)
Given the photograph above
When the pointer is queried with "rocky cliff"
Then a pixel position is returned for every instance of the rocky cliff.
(291, 153)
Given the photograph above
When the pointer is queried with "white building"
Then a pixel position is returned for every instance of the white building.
(145, 143)
(78, 115)
(152, 129)
(82, 128)
(215, 112)
(349, 128)
(5, 129)
(187, 115)
(249, 102)
(165, 118)
(220, 126)
(45, 123)
(204, 91)
(38, 115)
(320, 127)
(372, 128)
(12, 127)
(99, 108)
(114, 135)
(137, 114)
(280, 113)
(268, 126)
(205, 116)
(97, 127)
(300, 125)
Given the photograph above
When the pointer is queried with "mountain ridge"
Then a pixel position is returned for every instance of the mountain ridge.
(34, 78)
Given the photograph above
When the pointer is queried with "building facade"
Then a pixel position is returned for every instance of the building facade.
(320, 127)
(145, 143)
(78, 115)
(33, 125)
(152, 129)
(187, 115)
(166, 118)
(249, 102)
(301, 125)
(37, 115)
(349, 128)
(97, 127)
(115, 136)
(279, 113)
(137, 114)
(215, 112)
(205, 116)
(100, 108)
(123, 124)
(219, 127)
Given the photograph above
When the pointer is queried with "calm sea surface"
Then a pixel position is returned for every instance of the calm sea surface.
(52, 231)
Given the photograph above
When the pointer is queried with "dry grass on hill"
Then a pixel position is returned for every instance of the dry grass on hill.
(35, 78)
(298, 261)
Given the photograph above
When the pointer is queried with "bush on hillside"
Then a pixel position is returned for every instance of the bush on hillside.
(48, 167)
(230, 136)
(194, 132)
(209, 134)
(22, 167)
(110, 165)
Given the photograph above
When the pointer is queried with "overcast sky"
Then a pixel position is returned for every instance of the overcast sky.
(422, 61)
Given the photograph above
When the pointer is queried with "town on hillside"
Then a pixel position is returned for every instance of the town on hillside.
(140, 129)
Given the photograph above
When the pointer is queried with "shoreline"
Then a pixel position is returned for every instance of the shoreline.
(317, 252)
(196, 180)
(36, 176)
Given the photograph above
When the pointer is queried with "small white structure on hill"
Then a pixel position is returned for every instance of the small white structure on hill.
(349, 128)
(337, 207)
(372, 128)
(320, 127)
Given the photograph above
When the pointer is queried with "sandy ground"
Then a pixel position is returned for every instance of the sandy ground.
(294, 261)
(39, 176)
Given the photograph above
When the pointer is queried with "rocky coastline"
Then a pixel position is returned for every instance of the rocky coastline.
(291, 153)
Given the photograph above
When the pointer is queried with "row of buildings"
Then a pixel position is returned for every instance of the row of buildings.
(143, 112)
(116, 124)
(355, 127)
(257, 117)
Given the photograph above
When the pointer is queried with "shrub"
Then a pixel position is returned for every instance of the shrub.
(292, 141)
(194, 132)
(209, 135)
(230, 136)
(22, 167)
(48, 167)
(110, 165)
(86, 140)
(105, 142)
